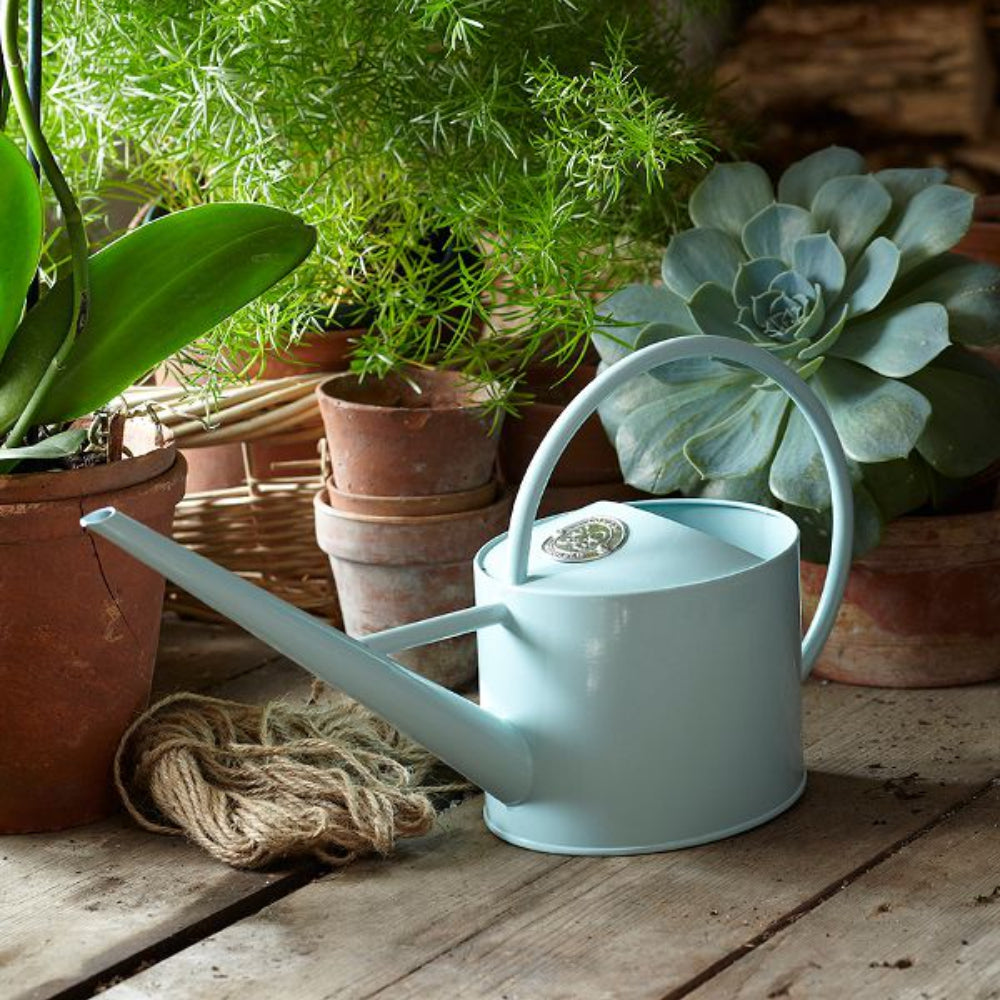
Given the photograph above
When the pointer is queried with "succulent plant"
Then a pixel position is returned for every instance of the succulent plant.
(846, 276)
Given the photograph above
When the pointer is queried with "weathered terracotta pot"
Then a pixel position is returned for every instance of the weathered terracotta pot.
(589, 457)
(78, 635)
(222, 466)
(396, 570)
(439, 503)
(588, 470)
(417, 434)
(922, 610)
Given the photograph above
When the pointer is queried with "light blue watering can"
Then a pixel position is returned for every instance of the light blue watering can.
(639, 663)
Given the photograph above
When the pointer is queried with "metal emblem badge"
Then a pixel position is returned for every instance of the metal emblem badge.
(586, 540)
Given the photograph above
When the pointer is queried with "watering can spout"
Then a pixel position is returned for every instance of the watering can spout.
(486, 749)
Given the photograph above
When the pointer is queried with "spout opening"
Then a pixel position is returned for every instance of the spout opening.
(98, 516)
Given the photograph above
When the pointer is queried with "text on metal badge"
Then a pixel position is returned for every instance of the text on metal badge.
(586, 540)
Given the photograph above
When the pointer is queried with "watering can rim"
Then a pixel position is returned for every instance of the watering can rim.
(764, 563)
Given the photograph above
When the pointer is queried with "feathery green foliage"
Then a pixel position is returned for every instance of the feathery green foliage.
(468, 164)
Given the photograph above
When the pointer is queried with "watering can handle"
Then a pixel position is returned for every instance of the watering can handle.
(726, 349)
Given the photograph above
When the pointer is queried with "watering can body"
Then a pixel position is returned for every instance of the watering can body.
(640, 664)
(656, 719)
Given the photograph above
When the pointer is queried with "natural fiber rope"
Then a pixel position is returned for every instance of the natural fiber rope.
(256, 784)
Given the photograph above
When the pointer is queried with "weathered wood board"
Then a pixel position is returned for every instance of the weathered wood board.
(461, 914)
(894, 776)
(77, 904)
(926, 923)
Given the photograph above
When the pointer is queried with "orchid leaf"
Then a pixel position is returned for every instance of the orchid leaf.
(60, 445)
(21, 223)
(153, 291)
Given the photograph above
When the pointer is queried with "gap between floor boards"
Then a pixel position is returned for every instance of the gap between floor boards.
(828, 892)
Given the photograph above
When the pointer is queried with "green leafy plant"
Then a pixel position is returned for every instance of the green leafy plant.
(117, 314)
(846, 276)
(478, 170)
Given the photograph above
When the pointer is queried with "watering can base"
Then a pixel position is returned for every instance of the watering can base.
(668, 845)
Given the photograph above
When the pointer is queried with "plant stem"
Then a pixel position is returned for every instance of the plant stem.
(75, 229)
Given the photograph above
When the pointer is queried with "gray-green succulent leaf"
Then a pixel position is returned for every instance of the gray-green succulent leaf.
(848, 278)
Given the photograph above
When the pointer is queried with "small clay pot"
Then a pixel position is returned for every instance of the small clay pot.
(395, 570)
(222, 466)
(80, 625)
(589, 458)
(922, 610)
(418, 433)
(440, 503)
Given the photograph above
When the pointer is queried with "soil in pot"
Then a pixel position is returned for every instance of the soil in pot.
(395, 570)
(418, 433)
(922, 610)
(78, 635)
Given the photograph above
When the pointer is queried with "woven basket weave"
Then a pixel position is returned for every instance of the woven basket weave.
(263, 529)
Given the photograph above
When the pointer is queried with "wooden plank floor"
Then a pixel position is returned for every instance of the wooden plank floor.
(883, 882)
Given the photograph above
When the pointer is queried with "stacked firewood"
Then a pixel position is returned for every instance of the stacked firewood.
(906, 81)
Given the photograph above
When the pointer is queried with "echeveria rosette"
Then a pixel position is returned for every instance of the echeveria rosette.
(846, 276)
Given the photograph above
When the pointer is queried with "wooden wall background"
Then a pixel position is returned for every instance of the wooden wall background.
(908, 82)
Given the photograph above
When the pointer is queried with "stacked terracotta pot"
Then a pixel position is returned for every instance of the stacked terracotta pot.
(588, 470)
(411, 498)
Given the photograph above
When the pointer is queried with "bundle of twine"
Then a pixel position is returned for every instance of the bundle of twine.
(256, 784)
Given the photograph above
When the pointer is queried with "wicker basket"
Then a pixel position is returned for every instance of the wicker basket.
(262, 529)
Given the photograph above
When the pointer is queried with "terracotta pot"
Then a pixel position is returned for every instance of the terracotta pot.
(589, 458)
(440, 503)
(78, 635)
(396, 570)
(222, 466)
(922, 610)
(418, 435)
